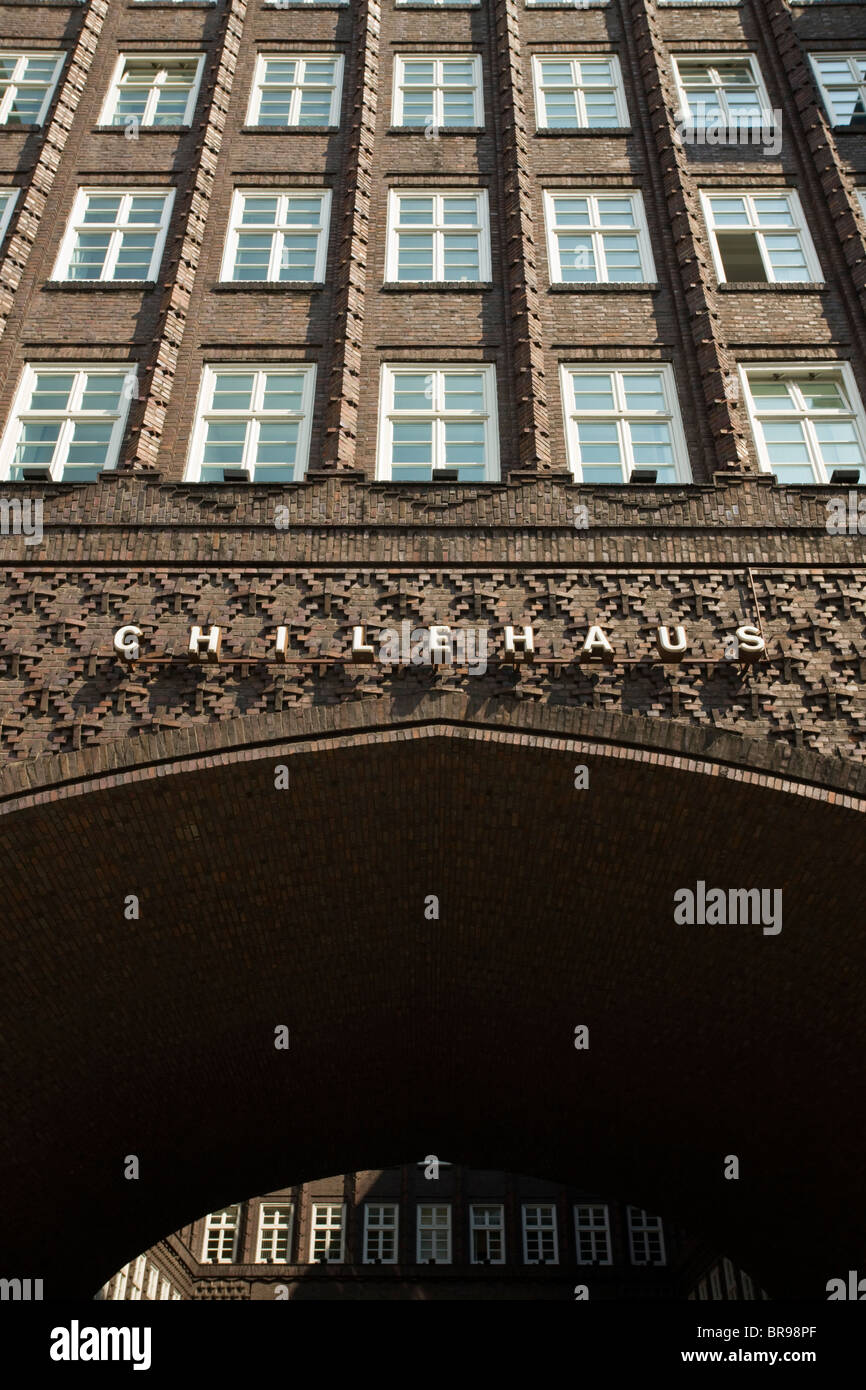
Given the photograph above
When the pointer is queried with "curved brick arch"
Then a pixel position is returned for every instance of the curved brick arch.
(305, 907)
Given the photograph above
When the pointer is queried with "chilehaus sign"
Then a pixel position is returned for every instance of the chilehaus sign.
(441, 644)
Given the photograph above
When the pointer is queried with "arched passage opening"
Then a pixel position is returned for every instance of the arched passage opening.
(308, 906)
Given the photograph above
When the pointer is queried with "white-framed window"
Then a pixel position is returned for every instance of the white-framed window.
(158, 89)
(121, 1279)
(328, 1233)
(748, 1286)
(278, 235)
(438, 236)
(27, 82)
(702, 1290)
(164, 1288)
(152, 1281)
(861, 198)
(274, 1238)
(221, 1236)
(115, 234)
(453, 4)
(759, 237)
(67, 421)
(434, 1233)
(136, 1283)
(252, 420)
(540, 1234)
(731, 1289)
(619, 419)
(727, 90)
(715, 1284)
(176, 1295)
(8, 199)
(381, 1224)
(487, 1233)
(438, 92)
(592, 1234)
(291, 89)
(597, 238)
(841, 79)
(567, 4)
(645, 1237)
(807, 420)
(438, 417)
(580, 92)
(288, 4)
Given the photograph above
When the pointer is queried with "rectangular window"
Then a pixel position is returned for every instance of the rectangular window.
(438, 418)
(115, 235)
(153, 90)
(622, 419)
(137, 1281)
(252, 421)
(8, 197)
(861, 198)
(380, 1233)
(731, 1289)
(487, 1234)
(748, 1286)
(274, 1243)
(841, 78)
(152, 1281)
(725, 91)
(121, 1280)
(438, 92)
(328, 1233)
(290, 90)
(715, 1284)
(27, 82)
(592, 1234)
(645, 1238)
(595, 238)
(278, 235)
(702, 1289)
(67, 422)
(462, 4)
(806, 421)
(438, 236)
(221, 1236)
(760, 237)
(434, 1234)
(164, 1288)
(583, 92)
(540, 1236)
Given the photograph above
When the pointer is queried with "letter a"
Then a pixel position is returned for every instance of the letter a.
(732, 1167)
(431, 908)
(281, 1038)
(130, 1171)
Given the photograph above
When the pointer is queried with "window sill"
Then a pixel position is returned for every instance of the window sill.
(616, 132)
(141, 129)
(174, 4)
(268, 286)
(289, 129)
(441, 130)
(604, 287)
(89, 286)
(772, 287)
(850, 129)
(437, 286)
(20, 125)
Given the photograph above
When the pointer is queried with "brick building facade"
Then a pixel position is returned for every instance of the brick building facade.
(429, 1231)
(330, 320)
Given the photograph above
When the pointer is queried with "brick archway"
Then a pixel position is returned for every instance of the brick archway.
(306, 907)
